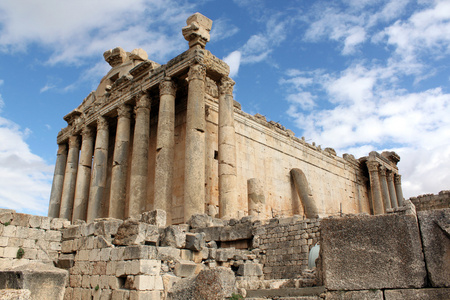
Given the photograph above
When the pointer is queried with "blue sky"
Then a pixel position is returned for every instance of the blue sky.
(355, 75)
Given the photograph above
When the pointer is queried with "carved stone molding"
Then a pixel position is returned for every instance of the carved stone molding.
(226, 85)
(102, 123)
(398, 179)
(197, 71)
(167, 87)
(143, 102)
(372, 166)
(382, 171)
(124, 111)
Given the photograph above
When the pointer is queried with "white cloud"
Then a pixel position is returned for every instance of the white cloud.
(222, 29)
(233, 60)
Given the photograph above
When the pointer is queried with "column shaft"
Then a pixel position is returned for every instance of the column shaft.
(100, 168)
(139, 158)
(384, 189)
(390, 180)
(83, 176)
(70, 177)
(120, 164)
(165, 145)
(194, 174)
(58, 181)
(228, 205)
(398, 189)
(375, 187)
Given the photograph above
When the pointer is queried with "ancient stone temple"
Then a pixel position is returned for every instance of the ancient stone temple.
(172, 137)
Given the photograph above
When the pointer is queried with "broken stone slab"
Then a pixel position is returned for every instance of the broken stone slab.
(155, 217)
(423, 294)
(173, 236)
(133, 232)
(436, 245)
(195, 241)
(185, 268)
(355, 295)
(43, 281)
(355, 251)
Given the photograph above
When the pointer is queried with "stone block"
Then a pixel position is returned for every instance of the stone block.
(195, 241)
(200, 221)
(9, 231)
(106, 227)
(250, 269)
(67, 246)
(43, 281)
(225, 254)
(155, 217)
(57, 223)
(168, 253)
(11, 294)
(145, 295)
(35, 221)
(211, 233)
(173, 236)
(145, 267)
(21, 220)
(6, 216)
(139, 252)
(435, 229)
(372, 252)
(144, 282)
(355, 295)
(239, 231)
(422, 294)
(187, 254)
(185, 268)
(133, 232)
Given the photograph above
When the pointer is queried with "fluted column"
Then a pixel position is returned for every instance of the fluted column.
(375, 187)
(384, 189)
(120, 164)
(58, 181)
(398, 189)
(99, 172)
(70, 177)
(228, 206)
(390, 180)
(139, 158)
(194, 173)
(83, 175)
(165, 143)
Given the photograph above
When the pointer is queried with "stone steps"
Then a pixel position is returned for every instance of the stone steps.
(307, 293)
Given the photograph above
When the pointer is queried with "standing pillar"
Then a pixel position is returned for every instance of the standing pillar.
(398, 189)
(165, 143)
(70, 179)
(194, 172)
(384, 189)
(256, 198)
(139, 158)
(58, 181)
(393, 196)
(99, 172)
(228, 206)
(375, 187)
(120, 164)
(83, 175)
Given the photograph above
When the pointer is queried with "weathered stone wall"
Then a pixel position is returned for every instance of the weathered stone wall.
(286, 243)
(431, 201)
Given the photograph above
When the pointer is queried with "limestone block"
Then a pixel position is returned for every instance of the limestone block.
(133, 232)
(74, 232)
(120, 295)
(195, 241)
(185, 268)
(139, 252)
(200, 221)
(237, 232)
(3, 241)
(144, 282)
(143, 267)
(66, 261)
(168, 253)
(422, 294)
(355, 295)
(225, 254)
(117, 253)
(53, 235)
(187, 254)
(211, 233)
(67, 246)
(12, 294)
(21, 220)
(145, 295)
(173, 236)
(355, 251)
(250, 269)
(35, 221)
(9, 231)
(155, 217)
(43, 281)
(138, 54)
(6, 216)
(434, 226)
(58, 223)
(106, 227)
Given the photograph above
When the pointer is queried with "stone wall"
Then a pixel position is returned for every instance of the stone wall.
(431, 201)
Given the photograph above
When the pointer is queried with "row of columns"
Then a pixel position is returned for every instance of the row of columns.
(385, 187)
(78, 192)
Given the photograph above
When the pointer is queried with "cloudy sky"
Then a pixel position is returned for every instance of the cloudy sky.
(354, 75)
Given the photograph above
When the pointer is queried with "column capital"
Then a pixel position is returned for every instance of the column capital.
(102, 123)
(74, 141)
(124, 111)
(197, 71)
(62, 149)
(390, 175)
(87, 132)
(167, 87)
(397, 178)
(226, 85)
(382, 171)
(143, 102)
(372, 165)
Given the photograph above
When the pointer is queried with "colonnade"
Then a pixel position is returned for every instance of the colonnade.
(385, 186)
(80, 183)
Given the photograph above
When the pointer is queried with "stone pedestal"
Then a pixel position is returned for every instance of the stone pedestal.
(117, 197)
(398, 189)
(58, 181)
(99, 172)
(83, 176)
(139, 158)
(384, 188)
(194, 174)
(375, 187)
(70, 177)
(228, 206)
(393, 196)
(165, 143)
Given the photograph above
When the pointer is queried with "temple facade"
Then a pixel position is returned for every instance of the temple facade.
(172, 137)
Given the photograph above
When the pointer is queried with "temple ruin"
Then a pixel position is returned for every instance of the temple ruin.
(172, 137)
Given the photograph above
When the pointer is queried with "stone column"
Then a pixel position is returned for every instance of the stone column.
(70, 178)
(83, 175)
(375, 187)
(58, 181)
(398, 189)
(99, 172)
(228, 206)
(120, 164)
(256, 198)
(139, 158)
(194, 172)
(165, 143)
(393, 196)
(384, 188)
